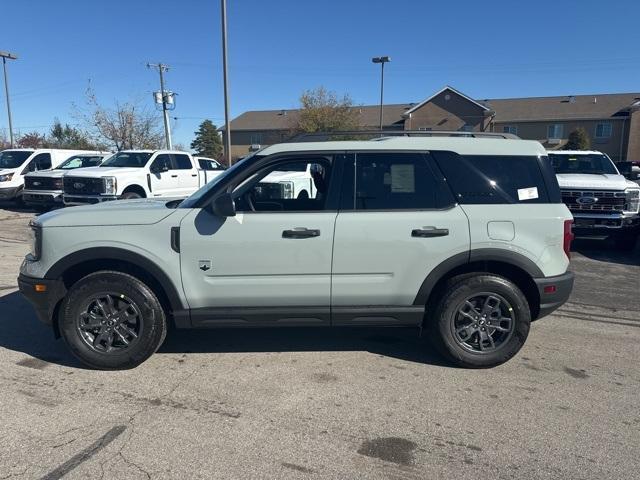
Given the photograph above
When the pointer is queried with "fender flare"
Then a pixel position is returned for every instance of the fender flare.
(476, 255)
(57, 270)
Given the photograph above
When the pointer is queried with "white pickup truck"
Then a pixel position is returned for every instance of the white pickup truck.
(604, 204)
(15, 163)
(136, 174)
(290, 181)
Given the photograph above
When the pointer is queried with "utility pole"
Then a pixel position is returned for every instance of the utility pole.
(382, 61)
(227, 125)
(10, 56)
(161, 67)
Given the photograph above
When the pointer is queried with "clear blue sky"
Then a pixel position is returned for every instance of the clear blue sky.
(487, 49)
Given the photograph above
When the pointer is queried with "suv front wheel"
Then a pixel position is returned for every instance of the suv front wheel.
(111, 320)
(481, 321)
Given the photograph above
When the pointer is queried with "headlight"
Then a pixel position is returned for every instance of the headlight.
(6, 177)
(110, 185)
(632, 201)
(287, 189)
(35, 232)
(57, 184)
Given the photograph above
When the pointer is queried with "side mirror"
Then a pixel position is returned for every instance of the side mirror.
(224, 206)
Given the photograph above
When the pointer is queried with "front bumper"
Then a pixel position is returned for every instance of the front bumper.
(594, 225)
(554, 292)
(9, 193)
(45, 301)
(88, 199)
(42, 197)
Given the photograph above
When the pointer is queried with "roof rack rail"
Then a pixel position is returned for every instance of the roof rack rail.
(385, 134)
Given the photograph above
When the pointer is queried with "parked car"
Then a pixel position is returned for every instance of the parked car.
(43, 189)
(16, 163)
(466, 239)
(603, 202)
(136, 174)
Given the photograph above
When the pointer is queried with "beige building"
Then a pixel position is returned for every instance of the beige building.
(611, 120)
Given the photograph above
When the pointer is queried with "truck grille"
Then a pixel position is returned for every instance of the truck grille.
(41, 183)
(83, 185)
(594, 201)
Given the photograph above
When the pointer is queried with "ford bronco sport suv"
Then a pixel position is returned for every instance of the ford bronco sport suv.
(464, 239)
(603, 202)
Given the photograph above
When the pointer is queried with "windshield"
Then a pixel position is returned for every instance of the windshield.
(80, 161)
(13, 158)
(128, 159)
(592, 163)
(240, 165)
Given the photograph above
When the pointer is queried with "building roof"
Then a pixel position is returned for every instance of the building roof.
(444, 89)
(576, 107)
(461, 145)
(368, 116)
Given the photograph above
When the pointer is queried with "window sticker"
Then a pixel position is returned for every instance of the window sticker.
(527, 193)
(403, 178)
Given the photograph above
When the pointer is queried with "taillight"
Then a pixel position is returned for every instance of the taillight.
(568, 237)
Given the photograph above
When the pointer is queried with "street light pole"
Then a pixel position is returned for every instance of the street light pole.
(227, 125)
(382, 61)
(10, 56)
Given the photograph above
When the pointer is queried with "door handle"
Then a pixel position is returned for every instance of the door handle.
(194, 174)
(301, 232)
(427, 232)
(174, 176)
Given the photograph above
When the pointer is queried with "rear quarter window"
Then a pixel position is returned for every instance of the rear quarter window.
(495, 179)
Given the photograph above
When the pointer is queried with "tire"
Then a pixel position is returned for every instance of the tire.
(303, 195)
(130, 195)
(133, 308)
(453, 318)
(626, 241)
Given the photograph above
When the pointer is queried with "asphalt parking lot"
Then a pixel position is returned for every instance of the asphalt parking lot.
(330, 404)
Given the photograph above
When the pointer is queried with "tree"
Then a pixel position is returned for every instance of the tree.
(207, 141)
(70, 137)
(32, 140)
(578, 140)
(322, 111)
(127, 125)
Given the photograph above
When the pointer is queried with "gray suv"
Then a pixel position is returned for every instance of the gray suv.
(464, 239)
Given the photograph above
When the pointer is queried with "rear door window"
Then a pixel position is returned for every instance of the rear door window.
(393, 181)
(491, 179)
(182, 162)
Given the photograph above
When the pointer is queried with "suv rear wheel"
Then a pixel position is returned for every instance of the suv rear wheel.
(481, 321)
(111, 320)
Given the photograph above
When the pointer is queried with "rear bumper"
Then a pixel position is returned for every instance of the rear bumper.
(552, 298)
(9, 193)
(44, 302)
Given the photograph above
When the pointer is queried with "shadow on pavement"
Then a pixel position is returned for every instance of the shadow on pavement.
(16, 208)
(401, 343)
(604, 251)
(21, 331)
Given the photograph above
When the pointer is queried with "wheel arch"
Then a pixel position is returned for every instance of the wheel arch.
(135, 188)
(83, 262)
(511, 265)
